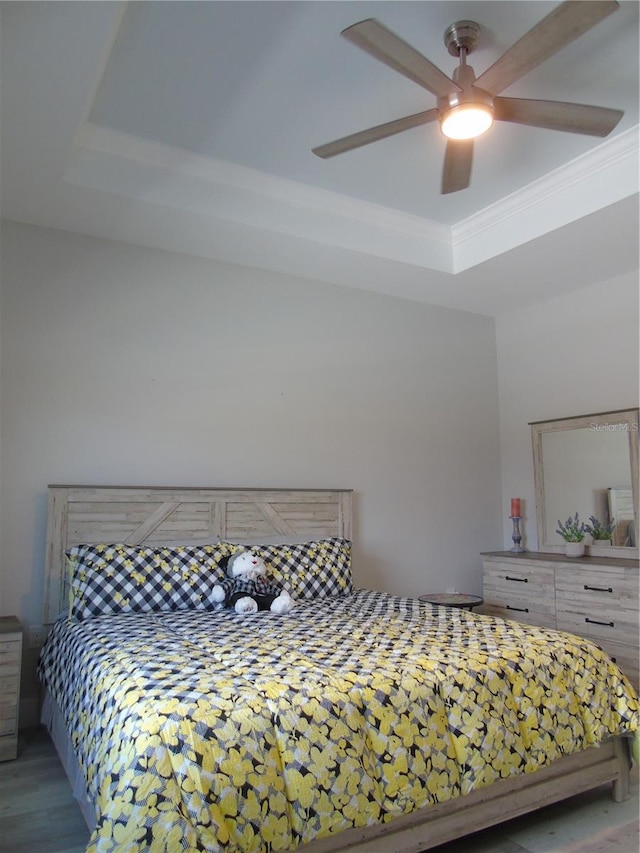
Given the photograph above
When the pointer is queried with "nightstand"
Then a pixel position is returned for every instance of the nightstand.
(10, 663)
(454, 599)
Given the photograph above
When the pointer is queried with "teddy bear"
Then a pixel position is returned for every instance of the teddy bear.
(247, 590)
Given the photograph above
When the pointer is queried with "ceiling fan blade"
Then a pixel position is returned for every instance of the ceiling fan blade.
(458, 158)
(373, 134)
(557, 115)
(565, 24)
(389, 48)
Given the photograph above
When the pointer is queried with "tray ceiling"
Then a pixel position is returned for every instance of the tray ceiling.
(189, 126)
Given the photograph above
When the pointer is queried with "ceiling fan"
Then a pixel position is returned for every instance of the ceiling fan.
(468, 106)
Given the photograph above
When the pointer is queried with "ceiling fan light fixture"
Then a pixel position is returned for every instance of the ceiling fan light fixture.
(466, 121)
(465, 106)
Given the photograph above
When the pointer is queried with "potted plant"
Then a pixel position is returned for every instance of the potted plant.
(601, 532)
(573, 532)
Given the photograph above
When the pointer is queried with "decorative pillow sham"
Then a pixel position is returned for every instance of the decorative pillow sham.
(127, 579)
(319, 569)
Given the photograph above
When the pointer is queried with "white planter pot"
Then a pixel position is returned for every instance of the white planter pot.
(574, 549)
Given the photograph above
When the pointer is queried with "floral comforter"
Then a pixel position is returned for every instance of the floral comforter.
(210, 731)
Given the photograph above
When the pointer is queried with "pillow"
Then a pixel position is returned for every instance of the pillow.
(319, 569)
(128, 579)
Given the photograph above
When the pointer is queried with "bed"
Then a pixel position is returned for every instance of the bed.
(358, 721)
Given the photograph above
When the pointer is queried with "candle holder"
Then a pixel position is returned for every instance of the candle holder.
(516, 536)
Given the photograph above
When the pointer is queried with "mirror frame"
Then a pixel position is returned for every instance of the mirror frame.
(539, 428)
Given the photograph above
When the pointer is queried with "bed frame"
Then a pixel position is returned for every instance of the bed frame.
(172, 515)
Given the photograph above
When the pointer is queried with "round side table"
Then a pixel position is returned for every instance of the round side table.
(454, 599)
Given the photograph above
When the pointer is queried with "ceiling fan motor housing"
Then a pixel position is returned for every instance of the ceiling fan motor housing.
(464, 76)
(462, 36)
(461, 39)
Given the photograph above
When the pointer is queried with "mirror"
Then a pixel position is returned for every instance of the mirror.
(589, 465)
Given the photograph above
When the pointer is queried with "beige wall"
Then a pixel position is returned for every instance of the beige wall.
(572, 355)
(130, 365)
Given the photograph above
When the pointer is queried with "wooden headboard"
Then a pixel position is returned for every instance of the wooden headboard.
(136, 515)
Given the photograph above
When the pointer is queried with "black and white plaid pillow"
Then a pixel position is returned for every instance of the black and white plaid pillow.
(309, 570)
(127, 579)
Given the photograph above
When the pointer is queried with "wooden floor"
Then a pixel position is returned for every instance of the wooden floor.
(39, 815)
(37, 811)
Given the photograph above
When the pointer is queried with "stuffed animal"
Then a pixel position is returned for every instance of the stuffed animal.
(247, 589)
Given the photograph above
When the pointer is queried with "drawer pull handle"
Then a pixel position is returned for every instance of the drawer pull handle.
(519, 609)
(519, 580)
(598, 588)
(595, 622)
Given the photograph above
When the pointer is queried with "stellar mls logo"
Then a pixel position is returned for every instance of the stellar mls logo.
(627, 427)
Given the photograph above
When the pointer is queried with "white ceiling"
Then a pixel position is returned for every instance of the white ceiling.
(189, 126)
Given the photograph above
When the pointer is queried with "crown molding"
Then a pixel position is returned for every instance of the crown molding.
(104, 159)
(111, 161)
(596, 179)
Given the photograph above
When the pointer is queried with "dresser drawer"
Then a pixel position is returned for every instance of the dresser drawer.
(520, 611)
(521, 591)
(10, 653)
(9, 689)
(8, 747)
(9, 686)
(10, 662)
(8, 716)
(602, 605)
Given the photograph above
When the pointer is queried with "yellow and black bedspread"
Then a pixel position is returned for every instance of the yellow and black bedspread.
(210, 731)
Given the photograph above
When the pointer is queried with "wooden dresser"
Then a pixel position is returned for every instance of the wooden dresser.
(594, 597)
(10, 664)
